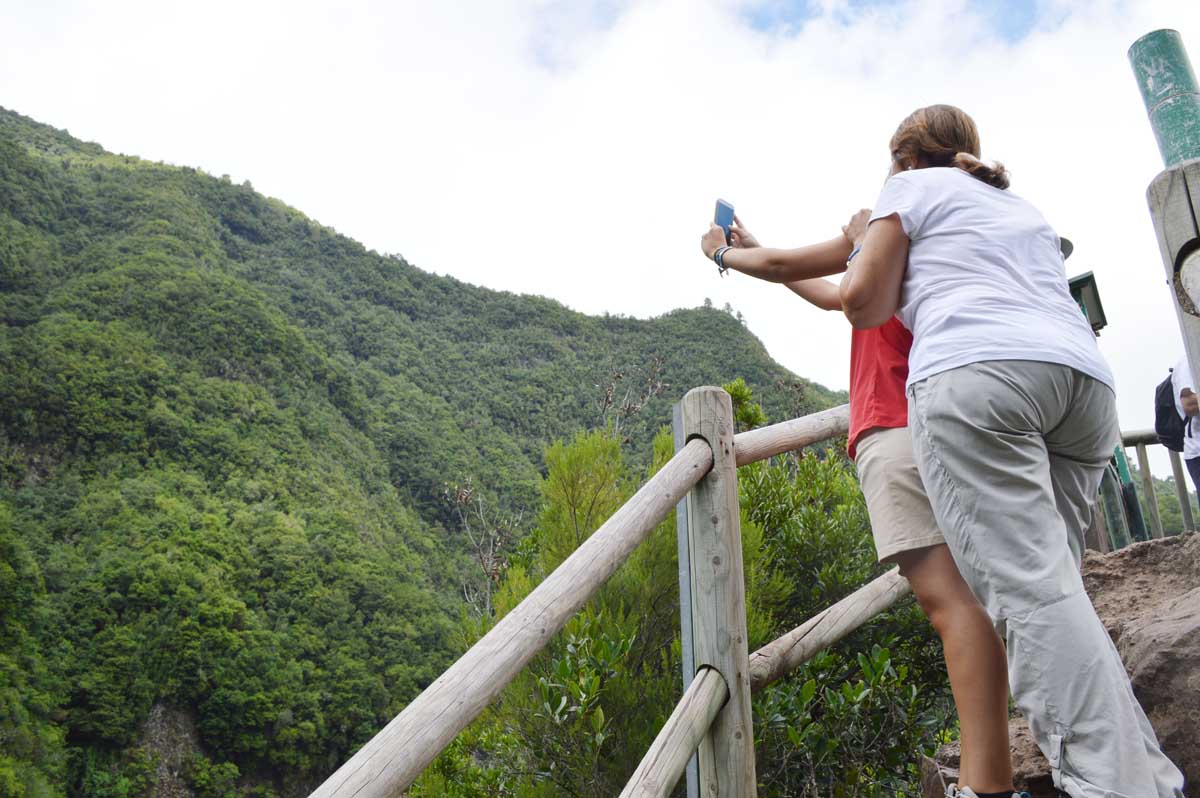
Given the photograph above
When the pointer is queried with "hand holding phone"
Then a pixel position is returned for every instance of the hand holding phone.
(724, 218)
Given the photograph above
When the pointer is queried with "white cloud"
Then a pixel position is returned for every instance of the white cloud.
(574, 149)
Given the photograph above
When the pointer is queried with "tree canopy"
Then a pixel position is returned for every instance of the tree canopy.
(226, 437)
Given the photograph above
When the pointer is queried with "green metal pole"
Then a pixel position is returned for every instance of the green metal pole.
(1170, 92)
(1114, 509)
(1133, 509)
(1172, 98)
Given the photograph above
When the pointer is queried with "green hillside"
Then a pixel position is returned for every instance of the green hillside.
(226, 434)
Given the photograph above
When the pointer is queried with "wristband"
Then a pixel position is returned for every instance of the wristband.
(857, 249)
(719, 258)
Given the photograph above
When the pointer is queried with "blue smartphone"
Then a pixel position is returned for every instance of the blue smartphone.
(724, 217)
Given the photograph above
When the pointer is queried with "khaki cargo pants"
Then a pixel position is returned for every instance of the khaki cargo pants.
(1011, 453)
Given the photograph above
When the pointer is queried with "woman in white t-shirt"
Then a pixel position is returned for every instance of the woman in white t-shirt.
(1013, 418)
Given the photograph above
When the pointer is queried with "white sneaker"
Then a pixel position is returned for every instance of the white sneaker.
(954, 791)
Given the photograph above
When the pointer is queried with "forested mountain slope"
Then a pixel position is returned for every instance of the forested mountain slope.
(225, 436)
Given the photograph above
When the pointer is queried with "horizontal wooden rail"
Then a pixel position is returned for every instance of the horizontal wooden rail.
(782, 656)
(759, 444)
(1135, 437)
(394, 757)
(664, 763)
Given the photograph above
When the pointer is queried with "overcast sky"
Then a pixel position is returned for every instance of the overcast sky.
(574, 149)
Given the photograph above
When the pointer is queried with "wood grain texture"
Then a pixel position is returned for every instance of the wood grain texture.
(1156, 527)
(726, 753)
(1135, 437)
(1174, 199)
(1096, 537)
(759, 444)
(392, 760)
(1189, 276)
(1181, 490)
(668, 755)
(783, 655)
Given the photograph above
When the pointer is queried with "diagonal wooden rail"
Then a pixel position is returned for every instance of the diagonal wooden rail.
(392, 759)
(786, 436)
(782, 656)
(389, 763)
(664, 763)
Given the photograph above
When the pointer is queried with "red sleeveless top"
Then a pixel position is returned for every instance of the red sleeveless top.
(878, 371)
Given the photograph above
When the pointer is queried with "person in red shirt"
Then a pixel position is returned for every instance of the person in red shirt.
(902, 521)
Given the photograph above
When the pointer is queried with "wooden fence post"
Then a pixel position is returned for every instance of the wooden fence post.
(1096, 537)
(1156, 527)
(726, 754)
(1181, 490)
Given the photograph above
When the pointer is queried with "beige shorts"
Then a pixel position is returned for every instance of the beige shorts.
(901, 518)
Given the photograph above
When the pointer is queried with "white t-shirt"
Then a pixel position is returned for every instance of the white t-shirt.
(1181, 378)
(985, 278)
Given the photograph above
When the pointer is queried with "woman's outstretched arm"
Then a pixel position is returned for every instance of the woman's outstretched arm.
(783, 265)
(780, 265)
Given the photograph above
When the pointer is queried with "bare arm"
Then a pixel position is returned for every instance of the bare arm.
(822, 293)
(790, 265)
(870, 290)
(777, 265)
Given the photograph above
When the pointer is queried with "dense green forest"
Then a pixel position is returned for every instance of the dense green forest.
(233, 447)
(267, 484)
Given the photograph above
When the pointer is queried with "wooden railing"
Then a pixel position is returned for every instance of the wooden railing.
(1140, 439)
(713, 716)
(393, 758)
